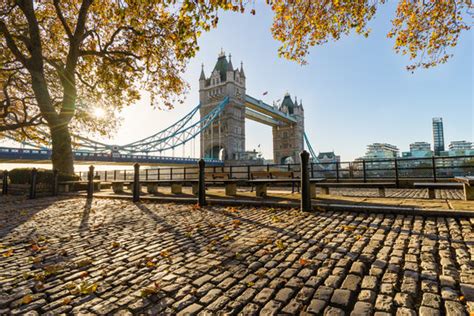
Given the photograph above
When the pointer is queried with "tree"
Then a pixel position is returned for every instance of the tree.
(423, 29)
(60, 59)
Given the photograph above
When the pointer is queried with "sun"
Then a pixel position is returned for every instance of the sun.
(99, 113)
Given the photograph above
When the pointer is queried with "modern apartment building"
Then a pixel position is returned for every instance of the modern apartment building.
(438, 135)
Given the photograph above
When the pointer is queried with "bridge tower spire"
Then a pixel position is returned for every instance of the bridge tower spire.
(225, 136)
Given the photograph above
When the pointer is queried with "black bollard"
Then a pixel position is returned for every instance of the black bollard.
(202, 183)
(34, 175)
(90, 182)
(55, 182)
(136, 183)
(305, 190)
(5, 182)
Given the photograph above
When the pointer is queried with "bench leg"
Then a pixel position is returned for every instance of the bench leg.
(261, 190)
(176, 188)
(63, 188)
(325, 190)
(381, 192)
(195, 188)
(312, 190)
(152, 188)
(231, 189)
(431, 193)
(117, 187)
(468, 192)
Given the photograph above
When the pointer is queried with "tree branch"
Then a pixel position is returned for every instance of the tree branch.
(62, 19)
(11, 43)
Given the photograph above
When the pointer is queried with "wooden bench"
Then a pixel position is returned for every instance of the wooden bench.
(262, 184)
(152, 185)
(468, 186)
(432, 186)
(68, 186)
(381, 186)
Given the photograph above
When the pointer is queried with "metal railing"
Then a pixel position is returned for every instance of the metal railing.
(431, 168)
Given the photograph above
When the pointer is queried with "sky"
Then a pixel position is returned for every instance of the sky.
(355, 91)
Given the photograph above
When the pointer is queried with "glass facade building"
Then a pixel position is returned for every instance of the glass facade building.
(438, 135)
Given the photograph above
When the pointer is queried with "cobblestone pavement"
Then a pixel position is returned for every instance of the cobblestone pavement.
(113, 256)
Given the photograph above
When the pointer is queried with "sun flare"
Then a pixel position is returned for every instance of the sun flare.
(99, 113)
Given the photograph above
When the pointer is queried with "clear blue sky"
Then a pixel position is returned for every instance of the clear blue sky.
(355, 91)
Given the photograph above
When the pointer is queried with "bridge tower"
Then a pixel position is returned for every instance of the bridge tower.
(288, 140)
(226, 135)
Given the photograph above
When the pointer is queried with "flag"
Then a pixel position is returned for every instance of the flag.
(265, 93)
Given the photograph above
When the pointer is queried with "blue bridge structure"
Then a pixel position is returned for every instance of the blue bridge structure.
(218, 120)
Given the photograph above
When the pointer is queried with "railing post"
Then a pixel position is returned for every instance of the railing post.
(268, 168)
(90, 183)
(115, 175)
(125, 175)
(248, 172)
(337, 171)
(312, 170)
(289, 167)
(363, 168)
(146, 174)
(184, 173)
(158, 174)
(230, 172)
(105, 175)
(55, 182)
(396, 173)
(136, 183)
(202, 183)
(171, 173)
(5, 183)
(433, 165)
(305, 190)
(34, 175)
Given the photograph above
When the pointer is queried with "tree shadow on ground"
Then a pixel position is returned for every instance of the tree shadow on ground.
(14, 213)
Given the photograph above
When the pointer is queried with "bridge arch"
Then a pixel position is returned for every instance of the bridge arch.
(287, 160)
(216, 151)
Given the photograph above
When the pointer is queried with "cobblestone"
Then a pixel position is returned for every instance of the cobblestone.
(115, 257)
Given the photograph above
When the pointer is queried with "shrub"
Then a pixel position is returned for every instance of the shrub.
(23, 176)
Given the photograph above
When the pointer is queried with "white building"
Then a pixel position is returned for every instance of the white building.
(381, 151)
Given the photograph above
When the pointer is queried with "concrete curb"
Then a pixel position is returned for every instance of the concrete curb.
(395, 210)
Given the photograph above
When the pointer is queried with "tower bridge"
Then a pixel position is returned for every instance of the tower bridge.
(224, 106)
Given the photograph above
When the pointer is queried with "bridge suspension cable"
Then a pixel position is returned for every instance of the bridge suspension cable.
(178, 134)
(310, 148)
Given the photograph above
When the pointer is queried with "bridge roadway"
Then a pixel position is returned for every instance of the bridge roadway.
(261, 112)
(15, 155)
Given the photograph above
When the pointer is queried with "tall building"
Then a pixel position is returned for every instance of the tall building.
(438, 135)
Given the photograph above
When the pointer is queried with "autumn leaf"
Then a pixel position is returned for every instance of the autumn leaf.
(8, 253)
(26, 299)
(280, 245)
(150, 264)
(115, 244)
(165, 253)
(304, 261)
(348, 227)
(66, 301)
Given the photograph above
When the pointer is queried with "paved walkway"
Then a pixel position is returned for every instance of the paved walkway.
(113, 256)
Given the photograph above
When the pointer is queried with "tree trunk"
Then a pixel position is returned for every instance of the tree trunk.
(62, 157)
